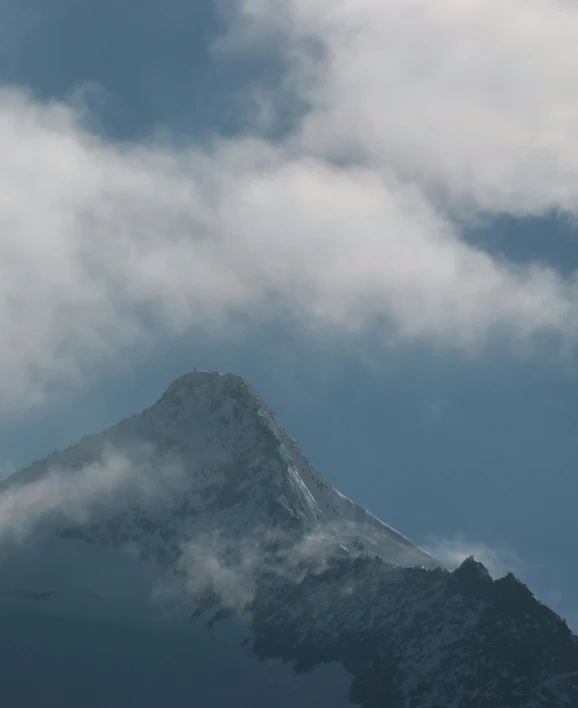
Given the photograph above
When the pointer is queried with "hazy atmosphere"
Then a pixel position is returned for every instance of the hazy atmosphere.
(367, 209)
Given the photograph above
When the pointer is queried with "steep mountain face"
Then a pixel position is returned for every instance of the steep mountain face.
(231, 467)
(273, 588)
(413, 637)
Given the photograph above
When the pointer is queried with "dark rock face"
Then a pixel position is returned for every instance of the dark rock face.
(413, 637)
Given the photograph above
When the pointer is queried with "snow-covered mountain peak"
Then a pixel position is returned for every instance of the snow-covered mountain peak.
(205, 394)
(210, 389)
(223, 408)
(240, 474)
(223, 525)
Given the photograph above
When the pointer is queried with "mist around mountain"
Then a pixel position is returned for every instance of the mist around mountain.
(191, 555)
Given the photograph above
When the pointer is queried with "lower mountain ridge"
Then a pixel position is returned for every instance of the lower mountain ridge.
(192, 556)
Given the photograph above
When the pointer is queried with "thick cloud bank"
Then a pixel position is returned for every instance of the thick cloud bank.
(418, 112)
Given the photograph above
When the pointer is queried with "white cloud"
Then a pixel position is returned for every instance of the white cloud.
(108, 247)
(66, 495)
(109, 484)
(499, 560)
(230, 568)
(469, 100)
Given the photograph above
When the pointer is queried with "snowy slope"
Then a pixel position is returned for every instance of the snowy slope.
(191, 556)
(231, 466)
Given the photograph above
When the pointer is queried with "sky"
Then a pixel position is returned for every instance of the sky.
(367, 209)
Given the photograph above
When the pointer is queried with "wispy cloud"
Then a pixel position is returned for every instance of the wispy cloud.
(499, 560)
(346, 224)
(464, 99)
(76, 496)
(229, 568)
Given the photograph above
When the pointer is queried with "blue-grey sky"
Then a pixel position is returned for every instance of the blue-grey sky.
(366, 209)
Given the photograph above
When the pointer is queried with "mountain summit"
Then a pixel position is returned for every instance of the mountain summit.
(191, 555)
(240, 474)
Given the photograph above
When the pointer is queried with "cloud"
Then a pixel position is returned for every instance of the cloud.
(106, 485)
(24, 508)
(468, 101)
(499, 560)
(229, 569)
(343, 226)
